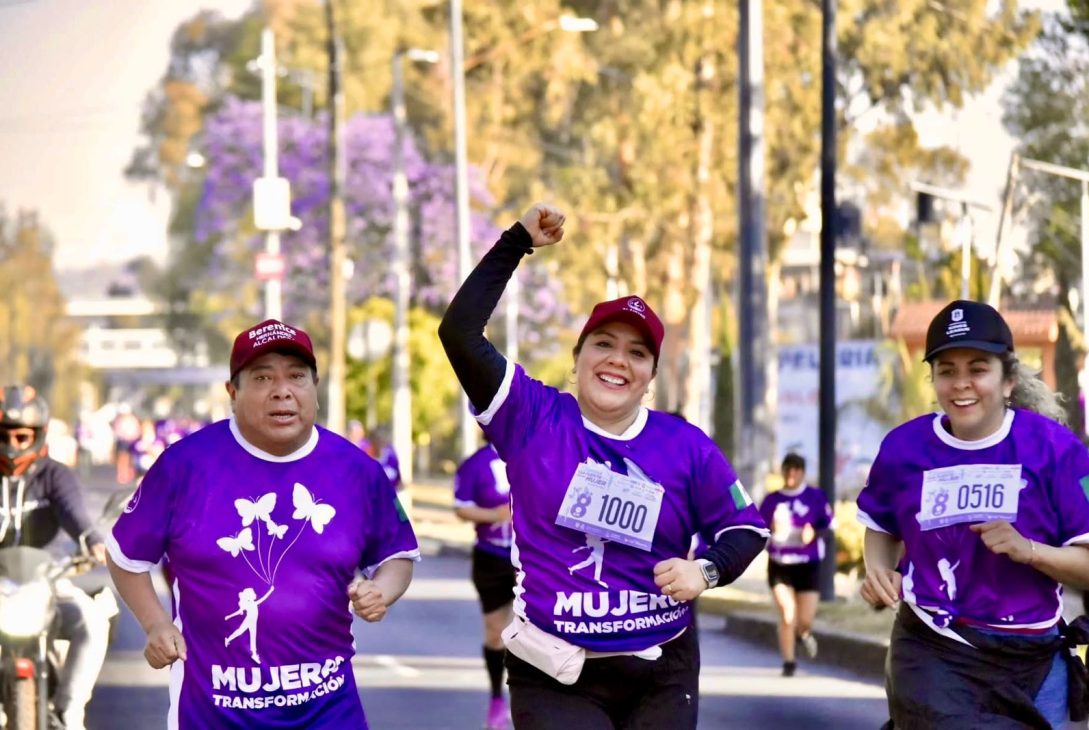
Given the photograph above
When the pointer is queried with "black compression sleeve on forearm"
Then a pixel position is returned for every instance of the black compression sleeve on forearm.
(478, 365)
(733, 552)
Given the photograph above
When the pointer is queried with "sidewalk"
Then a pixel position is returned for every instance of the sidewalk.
(849, 632)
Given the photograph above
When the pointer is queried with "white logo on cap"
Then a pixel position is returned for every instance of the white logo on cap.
(637, 305)
(957, 326)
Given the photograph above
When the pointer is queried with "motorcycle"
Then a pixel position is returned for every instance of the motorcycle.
(31, 653)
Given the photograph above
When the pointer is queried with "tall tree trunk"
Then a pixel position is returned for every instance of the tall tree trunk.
(675, 312)
(1067, 357)
(697, 391)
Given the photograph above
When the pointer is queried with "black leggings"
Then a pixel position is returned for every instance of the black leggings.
(612, 693)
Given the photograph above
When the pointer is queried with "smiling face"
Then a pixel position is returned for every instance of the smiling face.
(275, 402)
(613, 369)
(972, 391)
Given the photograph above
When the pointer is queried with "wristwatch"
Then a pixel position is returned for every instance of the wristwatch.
(710, 572)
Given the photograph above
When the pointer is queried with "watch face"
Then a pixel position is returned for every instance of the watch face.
(710, 573)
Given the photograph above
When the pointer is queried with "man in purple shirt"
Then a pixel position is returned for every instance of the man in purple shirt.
(796, 515)
(482, 496)
(266, 520)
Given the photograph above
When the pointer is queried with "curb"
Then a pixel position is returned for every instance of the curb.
(855, 652)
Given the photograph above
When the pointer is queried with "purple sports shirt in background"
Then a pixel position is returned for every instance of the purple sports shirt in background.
(481, 481)
(786, 513)
(596, 593)
(263, 549)
(947, 570)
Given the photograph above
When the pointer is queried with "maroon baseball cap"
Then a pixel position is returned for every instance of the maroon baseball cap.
(634, 311)
(272, 335)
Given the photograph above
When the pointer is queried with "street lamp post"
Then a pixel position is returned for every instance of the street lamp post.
(965, 231)
(402, 392)
(271, 193)
(458, 67)
(337, 227)
(461, 189)
(1081, 176)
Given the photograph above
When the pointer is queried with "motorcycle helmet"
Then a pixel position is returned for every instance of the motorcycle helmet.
(22, 407)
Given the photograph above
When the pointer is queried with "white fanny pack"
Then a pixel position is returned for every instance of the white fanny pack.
(557, 658)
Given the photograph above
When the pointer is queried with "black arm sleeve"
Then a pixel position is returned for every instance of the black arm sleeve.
(66, 499)
(478, 365)
(733, 552)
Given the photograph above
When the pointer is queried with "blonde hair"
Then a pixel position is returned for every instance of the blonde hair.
(1029, 392)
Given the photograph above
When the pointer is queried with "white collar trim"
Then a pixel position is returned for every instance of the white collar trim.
(304, 450)
(629, 433)
(983, 443)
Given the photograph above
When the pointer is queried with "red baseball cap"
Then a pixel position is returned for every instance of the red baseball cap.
(634, 311)
(272, 335)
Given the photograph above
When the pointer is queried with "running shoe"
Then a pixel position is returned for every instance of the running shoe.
(809, 645)
(498, 715)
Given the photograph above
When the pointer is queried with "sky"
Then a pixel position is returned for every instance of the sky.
(75, 74)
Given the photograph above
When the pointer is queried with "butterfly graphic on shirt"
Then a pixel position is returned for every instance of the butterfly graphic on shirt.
(237, 543)
(261, 509)
(274, 529)
(257, 546)
(307, 508)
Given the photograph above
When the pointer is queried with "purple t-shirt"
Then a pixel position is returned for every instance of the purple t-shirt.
(926, 487)
(600, 593)
(391, 465)
(786, 513)
(263, 549)
(481, 481)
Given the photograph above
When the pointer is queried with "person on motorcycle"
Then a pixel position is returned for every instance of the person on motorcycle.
(38, 497)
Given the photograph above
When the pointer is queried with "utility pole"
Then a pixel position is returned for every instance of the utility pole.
(994, 295)
(402, 392)
(1082, 176)
(337, 288)
(826, 443)
(753, 346)
(274, 285)
(461, 184)
(271, 193)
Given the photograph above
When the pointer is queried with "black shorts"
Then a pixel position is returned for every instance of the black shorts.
(799, 576)
(612, 692)
(493, 578)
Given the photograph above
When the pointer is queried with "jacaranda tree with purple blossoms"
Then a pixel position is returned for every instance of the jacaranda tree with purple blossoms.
(224, 220)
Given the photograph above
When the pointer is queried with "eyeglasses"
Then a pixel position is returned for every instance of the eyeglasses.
(20, 438)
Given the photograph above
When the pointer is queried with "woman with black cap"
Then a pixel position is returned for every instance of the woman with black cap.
(605, 496)
(975, 518)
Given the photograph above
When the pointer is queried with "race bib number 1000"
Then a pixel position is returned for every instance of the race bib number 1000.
(609, 505)
(973, 493)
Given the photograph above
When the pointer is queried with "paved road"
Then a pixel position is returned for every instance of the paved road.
(421, 669)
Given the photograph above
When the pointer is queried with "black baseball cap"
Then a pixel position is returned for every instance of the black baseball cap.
(974, 325)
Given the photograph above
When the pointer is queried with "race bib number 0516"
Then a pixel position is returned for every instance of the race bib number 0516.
(973, 493)
(604, 503)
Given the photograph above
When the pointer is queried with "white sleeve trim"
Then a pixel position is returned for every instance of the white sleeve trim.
(868, 521)
(500, 396)
(1082, 539)
(761, 531)
(464, 503)
(123, 561)
(413, 555)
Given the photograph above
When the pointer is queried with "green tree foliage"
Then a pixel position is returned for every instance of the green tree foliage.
(1046, 109)
(37, 343)
(632, 128)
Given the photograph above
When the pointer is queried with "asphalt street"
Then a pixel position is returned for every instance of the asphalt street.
(421, 669)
